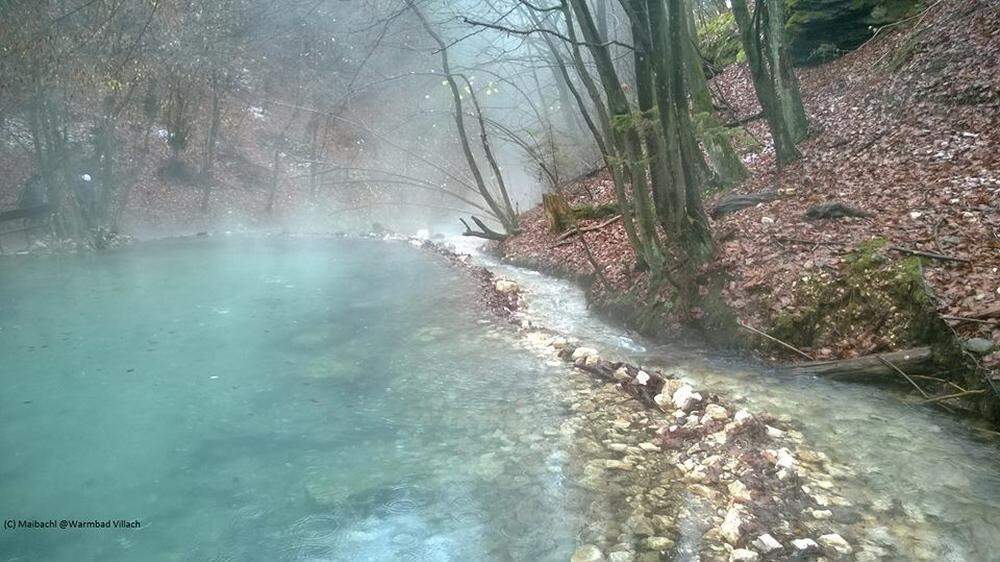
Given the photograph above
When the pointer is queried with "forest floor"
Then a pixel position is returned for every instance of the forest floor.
(905, 128)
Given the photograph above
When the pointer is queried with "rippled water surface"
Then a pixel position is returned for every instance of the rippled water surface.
(272, 400)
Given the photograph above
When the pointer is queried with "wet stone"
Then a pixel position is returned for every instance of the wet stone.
(730, 528)
(805, 545)
(621, 556)
(657, 544)
(835, 544)
(587, 553)
(743, 555)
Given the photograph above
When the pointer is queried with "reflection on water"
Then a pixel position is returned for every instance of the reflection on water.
(273, 400)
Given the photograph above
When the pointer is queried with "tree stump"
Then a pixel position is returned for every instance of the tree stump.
(557, 212)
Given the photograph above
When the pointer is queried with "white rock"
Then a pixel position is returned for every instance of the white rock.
(822, 514)
(584, 352)
(716, 412)
(743, 555)
(742, 416)
(730, 528)
(835, 543)
(538, 339)
(685, 397)
(506, 286)
(774, 432)
(785, 459)
(803, 545)
(587, 553)
(739, 491)
(621, 374)
(642, 377)
(621, 556)
(766, 543)
(657, 543)
(663, 401)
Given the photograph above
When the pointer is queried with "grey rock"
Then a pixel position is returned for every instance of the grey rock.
(766, 544)
(980, 346)
(835, 544)
(621, 556)
(657, 543)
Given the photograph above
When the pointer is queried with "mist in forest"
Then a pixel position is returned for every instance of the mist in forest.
(172, 116)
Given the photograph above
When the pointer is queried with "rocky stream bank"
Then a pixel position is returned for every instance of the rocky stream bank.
(678, 473)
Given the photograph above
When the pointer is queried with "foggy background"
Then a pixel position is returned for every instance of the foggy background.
(194, 115)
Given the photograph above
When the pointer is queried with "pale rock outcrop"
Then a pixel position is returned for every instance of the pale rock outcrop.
(715, 412)
(657, 543)
(739, 491)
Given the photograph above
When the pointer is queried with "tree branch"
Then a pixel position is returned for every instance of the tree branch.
(513, 31)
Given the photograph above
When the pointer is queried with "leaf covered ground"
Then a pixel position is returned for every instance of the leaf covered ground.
(906, 128)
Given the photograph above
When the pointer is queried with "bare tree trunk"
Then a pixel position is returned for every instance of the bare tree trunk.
(625, 135)
(208, 159)
(725, 162)
(488, 151)
(606, 141)
(505, 215)
(786, 84)
(763, 81)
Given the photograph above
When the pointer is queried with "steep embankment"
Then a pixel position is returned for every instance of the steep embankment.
(905, 128)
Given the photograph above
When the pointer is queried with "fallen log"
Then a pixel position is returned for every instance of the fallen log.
(486, 232)
(835, 210)
(643, 387)
(913, 361)
(562, 239)
(930, 255)
(733, 203)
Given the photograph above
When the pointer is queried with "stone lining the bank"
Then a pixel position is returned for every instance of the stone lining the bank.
(679, 473)
(688, 474)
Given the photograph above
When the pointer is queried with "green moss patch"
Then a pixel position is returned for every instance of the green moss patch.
(878, 303)
(719, 42)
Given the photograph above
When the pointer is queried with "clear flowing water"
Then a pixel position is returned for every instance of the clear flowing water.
(341, 400)
(937, 474)
(272, 400)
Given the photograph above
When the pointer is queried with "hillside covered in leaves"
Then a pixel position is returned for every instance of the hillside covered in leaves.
(903, 130)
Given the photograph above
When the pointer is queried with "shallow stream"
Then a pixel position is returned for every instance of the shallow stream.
(939, 474)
